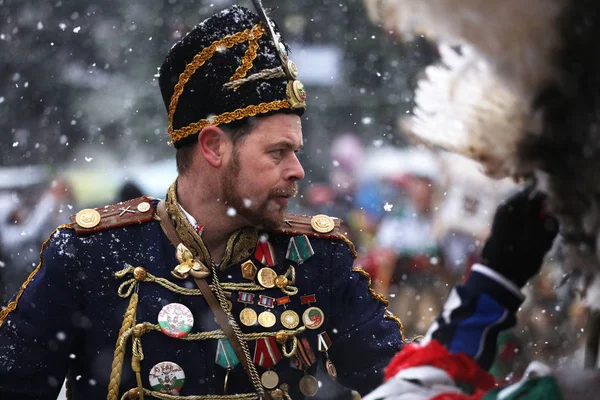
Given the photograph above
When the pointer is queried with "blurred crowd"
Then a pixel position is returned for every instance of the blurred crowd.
(418, 221)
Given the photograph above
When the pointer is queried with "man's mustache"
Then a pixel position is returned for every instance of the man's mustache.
(290, 191)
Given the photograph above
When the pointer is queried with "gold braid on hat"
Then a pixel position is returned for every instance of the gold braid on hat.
(250, 35)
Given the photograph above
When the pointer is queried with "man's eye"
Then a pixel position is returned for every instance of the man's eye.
(299, 152)
(277, 153)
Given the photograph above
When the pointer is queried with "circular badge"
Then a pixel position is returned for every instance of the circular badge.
(331, 370)
(88, 218)
(322, 223)
(143, 207)
(167, 377)
(175, 320)
(313, 318)
(248, 317)
(269, 379)
(266, 319)
(292, 68)
(266, 277)
(290, 319)
(309, 386)
(299, 90)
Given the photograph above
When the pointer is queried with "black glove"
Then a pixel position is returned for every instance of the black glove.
(522, 234)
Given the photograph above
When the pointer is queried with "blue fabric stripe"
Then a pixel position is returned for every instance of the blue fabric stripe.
(472, 331)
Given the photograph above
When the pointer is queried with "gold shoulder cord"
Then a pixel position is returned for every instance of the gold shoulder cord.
(250, 35)
(381, 298)
(13, 304)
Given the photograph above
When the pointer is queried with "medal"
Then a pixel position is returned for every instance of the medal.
(269, 379)
(226, 356)
(266, 319)
(323, 344)
(175, 320)
(313, 317)
(265, 254)
(304, 357)
(247, 315)
(309, 386)
(299, 249)
(248, 270)
(266, 277)
(289, 319)
(167, 377)
(266, 352)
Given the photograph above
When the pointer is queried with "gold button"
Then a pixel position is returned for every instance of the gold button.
(281, 337)
(143, 207)
(139, 273)
(322, 223)
(277, 394)
(88, 218)
(281, 282)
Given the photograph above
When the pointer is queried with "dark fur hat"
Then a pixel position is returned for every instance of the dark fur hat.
(227, 68)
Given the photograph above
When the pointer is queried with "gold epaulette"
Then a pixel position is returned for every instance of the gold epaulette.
(320, 225)
(135, 211)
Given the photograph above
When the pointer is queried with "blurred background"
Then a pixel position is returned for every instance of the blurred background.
(83, 125)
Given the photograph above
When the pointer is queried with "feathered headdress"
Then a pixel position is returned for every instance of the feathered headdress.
(517, 89)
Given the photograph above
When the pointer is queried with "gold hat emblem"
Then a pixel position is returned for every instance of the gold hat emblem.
(322, 223)
(88, 218)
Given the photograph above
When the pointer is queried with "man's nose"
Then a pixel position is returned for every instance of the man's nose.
(295, 170)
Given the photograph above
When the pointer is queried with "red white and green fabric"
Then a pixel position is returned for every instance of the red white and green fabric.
(431, 372)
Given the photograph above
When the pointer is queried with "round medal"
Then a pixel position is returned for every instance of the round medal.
(167, 377)
(266, 277)
(313, 318)
(290, 319)
(331, 370)
(269, 379)
(266, 319)
(248, 317)
(88, 218)
(175, 320)
(309, 386)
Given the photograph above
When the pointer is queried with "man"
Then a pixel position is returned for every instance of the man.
(126, 298)
(214, 291)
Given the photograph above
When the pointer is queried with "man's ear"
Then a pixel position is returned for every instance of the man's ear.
(214, 145)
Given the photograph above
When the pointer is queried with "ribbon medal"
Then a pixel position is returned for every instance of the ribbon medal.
(323, 344)
(265, 253)
(175, 320)
(266, 319)
(247, 315)
(266, 352)
(226, 356)
(299, 249)
(313, 317)
(304, 357)
(289, 318)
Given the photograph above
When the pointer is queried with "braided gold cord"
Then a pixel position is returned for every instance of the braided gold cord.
(254, 378)
(133, 394)
(13, 304)
(227, 117)
(350, 244)
(381, 298)
(198, 61)
(127, 287)
(249, 57)
(124, 333)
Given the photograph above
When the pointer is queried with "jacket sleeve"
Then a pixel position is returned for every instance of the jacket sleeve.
(364, 334)
(475, 313)
(39, 327)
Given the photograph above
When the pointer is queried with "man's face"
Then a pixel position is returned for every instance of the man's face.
(262, 173)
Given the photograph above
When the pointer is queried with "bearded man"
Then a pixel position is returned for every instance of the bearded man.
(214, 292)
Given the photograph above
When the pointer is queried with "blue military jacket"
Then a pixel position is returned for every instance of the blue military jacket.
(90, 312)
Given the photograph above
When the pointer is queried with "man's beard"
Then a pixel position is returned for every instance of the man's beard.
(256, 214)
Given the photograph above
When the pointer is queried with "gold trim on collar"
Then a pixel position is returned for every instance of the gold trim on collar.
(240, 245)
